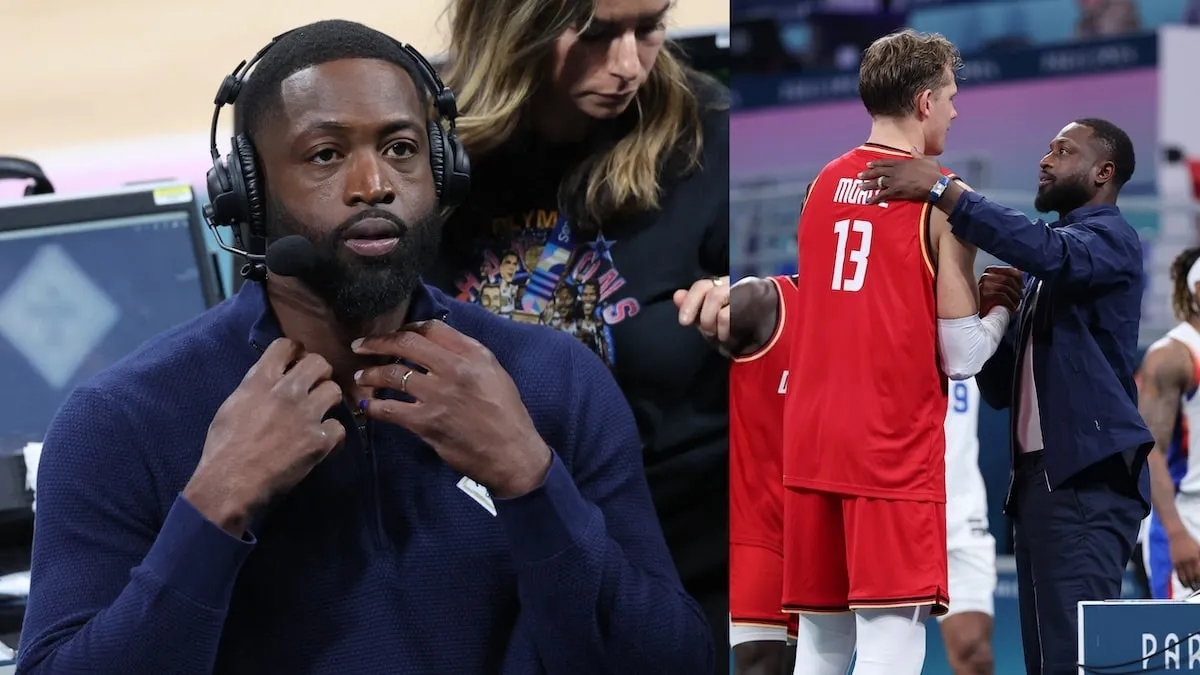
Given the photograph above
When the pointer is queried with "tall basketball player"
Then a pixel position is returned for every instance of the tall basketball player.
(887, 308)
(1167, 392)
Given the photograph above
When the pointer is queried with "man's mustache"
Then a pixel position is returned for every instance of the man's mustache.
(339, 232)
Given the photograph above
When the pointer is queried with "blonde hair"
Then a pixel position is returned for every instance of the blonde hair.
(897, 67)
(500, 51)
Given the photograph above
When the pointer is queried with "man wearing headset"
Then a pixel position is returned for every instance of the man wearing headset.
(344, 470)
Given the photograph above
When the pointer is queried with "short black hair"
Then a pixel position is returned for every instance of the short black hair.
(308, 46)
(1116, 144)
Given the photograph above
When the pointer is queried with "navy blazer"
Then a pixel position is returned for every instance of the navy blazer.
(1084, 327)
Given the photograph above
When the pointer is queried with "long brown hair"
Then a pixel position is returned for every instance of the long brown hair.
(500, 51)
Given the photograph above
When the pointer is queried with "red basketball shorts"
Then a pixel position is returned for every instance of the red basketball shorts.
(843, 552)
(756, 592)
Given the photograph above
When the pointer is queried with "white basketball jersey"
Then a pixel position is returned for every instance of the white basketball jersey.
(966, 496)
(1189, 408)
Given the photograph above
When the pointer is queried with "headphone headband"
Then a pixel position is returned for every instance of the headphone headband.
(443, 99)
(231, 86)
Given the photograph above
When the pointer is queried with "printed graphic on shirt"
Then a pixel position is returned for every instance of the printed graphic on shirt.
(536, 271)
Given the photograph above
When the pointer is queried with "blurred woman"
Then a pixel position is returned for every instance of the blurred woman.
(600, 186)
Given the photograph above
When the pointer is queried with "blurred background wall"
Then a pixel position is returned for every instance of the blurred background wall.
(104, 92)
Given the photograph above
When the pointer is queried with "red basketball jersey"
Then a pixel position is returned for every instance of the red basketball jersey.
(864, 344)
(757, 384)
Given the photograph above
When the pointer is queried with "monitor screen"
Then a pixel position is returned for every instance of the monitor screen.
(78, 296)
(708, 52)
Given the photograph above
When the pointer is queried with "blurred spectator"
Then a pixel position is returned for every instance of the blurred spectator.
(856, 6)
(1191, 14)
(1176, 156)
(777, 36)
(1106, 18)
(842, 29)
(755, 46)
(810, 36)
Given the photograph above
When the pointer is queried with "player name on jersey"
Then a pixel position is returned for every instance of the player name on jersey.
(849, 191)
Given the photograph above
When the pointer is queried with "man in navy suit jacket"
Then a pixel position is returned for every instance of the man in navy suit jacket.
(1078, 490)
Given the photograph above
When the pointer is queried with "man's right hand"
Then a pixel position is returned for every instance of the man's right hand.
(706, 306)
(267, 436)
(1000, 286)
(1185, 559)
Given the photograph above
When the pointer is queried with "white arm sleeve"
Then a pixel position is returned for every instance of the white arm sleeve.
(967, 343)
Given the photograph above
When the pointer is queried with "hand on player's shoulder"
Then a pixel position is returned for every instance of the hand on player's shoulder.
(901, 179)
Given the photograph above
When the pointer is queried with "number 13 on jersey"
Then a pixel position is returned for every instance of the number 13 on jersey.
(858, 255)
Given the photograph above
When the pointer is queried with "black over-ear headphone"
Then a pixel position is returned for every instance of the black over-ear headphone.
(17, 168)
(235, 195)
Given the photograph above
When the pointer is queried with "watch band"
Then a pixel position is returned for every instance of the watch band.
(935, 192)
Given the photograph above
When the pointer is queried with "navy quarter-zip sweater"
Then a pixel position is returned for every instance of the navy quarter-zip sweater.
(377, 562)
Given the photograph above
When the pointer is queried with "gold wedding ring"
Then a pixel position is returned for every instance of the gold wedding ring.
(716, 281)
(404, 381)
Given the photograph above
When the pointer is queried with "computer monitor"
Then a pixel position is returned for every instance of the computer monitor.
(85, 280)
(707, 51)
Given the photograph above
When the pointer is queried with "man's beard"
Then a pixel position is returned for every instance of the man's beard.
(1062, 196)
(360, 288)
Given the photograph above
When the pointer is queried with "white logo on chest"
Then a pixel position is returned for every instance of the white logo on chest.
(783, 383)
(478, 493)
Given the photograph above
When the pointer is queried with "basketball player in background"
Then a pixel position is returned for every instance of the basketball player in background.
(887, 308)
(971, 549)
(1167, 382)
(759, 379)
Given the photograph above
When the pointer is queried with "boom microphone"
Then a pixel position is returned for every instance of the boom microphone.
(292, 256)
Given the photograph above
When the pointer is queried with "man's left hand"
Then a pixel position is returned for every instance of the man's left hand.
(901, 179)
(466, 406)
(1000, 285)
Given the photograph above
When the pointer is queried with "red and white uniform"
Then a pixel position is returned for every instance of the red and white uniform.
(864, 456)
(757, 384)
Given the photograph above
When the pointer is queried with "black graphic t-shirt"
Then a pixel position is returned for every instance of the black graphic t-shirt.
(534, 269)
(512, 251)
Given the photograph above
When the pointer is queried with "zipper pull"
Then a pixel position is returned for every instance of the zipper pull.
(359, 417)
(364, 436)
